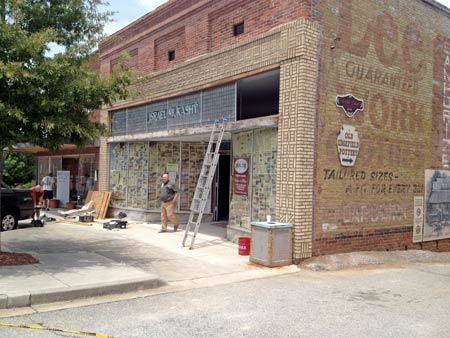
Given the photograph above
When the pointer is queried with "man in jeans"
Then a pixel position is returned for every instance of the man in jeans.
(169, 195)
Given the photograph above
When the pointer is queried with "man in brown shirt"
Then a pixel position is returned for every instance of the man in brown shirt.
(169, 195)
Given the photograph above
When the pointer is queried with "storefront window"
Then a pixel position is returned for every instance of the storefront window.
(253, 191)
(118, 175)
(86, 173)
(136, 169)
(47, 164)
(137, 194)
(43, 167)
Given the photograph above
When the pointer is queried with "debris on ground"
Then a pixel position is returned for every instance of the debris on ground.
(16, 258)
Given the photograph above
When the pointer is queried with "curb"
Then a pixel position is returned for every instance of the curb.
(25, 299)
(373, 258)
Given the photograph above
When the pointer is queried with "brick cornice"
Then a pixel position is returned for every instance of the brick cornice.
(127, 41)
(262, 52)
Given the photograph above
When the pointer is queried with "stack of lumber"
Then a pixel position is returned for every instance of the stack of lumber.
(101, 202)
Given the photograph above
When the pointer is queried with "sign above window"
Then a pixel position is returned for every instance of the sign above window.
(190, 110)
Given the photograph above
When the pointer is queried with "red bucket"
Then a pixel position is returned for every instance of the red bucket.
(244, 246)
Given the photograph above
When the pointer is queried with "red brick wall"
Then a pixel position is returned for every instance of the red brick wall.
(390, 57)
(375, 240)
(174, 41)
(193, 28)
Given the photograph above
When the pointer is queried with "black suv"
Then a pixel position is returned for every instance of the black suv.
(16, 204)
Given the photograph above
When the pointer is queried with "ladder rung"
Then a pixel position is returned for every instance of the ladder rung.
(207, 173)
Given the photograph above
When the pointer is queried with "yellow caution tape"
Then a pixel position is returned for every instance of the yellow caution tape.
(32, 327)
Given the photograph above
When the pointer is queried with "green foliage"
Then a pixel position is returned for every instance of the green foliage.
(18, 168)
(46, 100)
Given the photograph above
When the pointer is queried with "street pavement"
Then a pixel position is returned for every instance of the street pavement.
(376, 302)
(80, 260)
(83, 261)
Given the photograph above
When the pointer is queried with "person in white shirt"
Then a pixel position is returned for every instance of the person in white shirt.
(48, 183)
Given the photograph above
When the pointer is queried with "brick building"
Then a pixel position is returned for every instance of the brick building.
(338, 107)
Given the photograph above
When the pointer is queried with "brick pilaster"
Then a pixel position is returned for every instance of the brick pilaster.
(296, 134)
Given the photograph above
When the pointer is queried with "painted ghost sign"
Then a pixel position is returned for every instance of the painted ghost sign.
(348, 145)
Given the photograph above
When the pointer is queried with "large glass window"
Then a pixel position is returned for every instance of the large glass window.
(136, 169)
(86, 173)
(252, 97)
(48, 164)
(258, 95)
(259, 149)
(195, 109)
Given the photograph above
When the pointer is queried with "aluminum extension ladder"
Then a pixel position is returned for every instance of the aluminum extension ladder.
(205, 179)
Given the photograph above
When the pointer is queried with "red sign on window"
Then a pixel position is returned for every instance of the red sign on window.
(240, 173)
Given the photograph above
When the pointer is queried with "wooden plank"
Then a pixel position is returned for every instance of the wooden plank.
(101, 199)
(97, 198)
(88, 197)
(105, 205)
(101, 202)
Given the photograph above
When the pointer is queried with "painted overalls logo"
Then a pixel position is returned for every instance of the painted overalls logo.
(349, 104)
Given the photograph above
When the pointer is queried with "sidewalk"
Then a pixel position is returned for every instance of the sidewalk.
(79, 260)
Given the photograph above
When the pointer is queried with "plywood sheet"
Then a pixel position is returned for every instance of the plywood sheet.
(101, 202)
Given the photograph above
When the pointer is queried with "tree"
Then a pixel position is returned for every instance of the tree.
(19, 168)
(46, 100)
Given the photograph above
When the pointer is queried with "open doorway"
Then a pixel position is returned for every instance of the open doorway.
(222, 188)
(71, 164)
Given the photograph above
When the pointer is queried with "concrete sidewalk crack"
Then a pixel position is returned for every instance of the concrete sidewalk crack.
(51, 275)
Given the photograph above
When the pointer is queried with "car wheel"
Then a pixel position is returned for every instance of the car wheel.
(9, 221)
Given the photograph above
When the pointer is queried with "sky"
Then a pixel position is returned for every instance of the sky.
(130, 10)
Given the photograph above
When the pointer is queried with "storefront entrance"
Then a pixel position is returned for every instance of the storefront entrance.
(222, 189)
(71, 164)
(82, 170)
